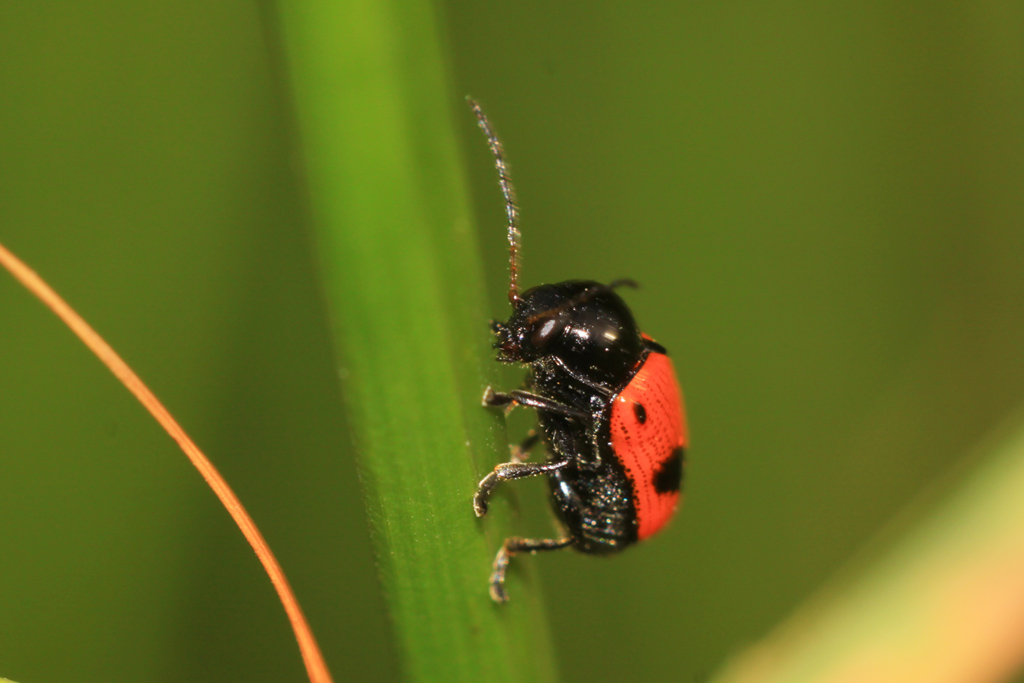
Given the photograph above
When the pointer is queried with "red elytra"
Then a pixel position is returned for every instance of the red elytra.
(649, 436)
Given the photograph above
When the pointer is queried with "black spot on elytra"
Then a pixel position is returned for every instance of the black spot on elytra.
(640, 412)
(669, 476)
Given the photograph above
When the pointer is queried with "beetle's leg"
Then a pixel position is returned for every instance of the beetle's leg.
(525, 398)
(511, 470)
(652, 345)
(623, 282)
(521, 452)
(515, 546)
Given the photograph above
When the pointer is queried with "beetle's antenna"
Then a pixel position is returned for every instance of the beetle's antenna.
(511, 210)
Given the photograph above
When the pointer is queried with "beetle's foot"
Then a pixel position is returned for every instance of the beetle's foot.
(497, 583)
(483, 493)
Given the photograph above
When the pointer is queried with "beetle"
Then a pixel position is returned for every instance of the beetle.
(609, 405)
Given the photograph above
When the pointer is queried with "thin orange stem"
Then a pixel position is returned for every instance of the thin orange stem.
(315, 666)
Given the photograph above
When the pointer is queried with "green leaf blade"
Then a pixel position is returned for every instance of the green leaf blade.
(403, 281)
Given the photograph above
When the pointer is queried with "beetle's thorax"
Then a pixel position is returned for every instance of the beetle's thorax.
(578, 330)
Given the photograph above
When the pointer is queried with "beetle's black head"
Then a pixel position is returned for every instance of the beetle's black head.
(582, 325)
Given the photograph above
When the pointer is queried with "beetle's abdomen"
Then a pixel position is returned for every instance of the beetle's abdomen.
(649, 437)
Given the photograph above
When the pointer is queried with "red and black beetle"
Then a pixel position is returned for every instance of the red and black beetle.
(609, 405)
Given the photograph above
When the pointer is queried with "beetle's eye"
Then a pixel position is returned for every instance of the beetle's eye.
(547, 331)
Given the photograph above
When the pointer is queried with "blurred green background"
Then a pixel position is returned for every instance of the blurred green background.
(824, 205)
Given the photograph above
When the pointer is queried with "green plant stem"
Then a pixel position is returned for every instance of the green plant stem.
(404, 286)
